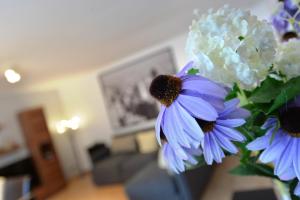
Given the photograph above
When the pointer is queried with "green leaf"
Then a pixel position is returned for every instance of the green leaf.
(267, 92)
(243, 170)
(250, 169)
(193, 71)
(241, 38)
(289, 90)
(233, 93)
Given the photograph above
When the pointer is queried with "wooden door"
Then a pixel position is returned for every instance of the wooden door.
(38, 138)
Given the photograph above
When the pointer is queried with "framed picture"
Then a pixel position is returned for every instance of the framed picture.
(126, 91)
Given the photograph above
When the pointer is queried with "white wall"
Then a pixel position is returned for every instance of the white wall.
(14, 102)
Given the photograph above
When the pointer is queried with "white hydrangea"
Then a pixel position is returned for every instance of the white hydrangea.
(288, 58)
(231, 45)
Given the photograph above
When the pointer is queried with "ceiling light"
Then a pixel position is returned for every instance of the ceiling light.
(12, 76)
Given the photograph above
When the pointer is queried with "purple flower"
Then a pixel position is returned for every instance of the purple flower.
(175, 162)
(219, 134)
(286, 20)
(284, 149)
(192, 116)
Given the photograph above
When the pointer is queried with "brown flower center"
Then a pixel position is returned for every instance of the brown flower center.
(290, 121)
(206, 126)
(165, 88)
(289, 35)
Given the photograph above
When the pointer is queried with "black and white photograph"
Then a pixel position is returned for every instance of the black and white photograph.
(126, 91)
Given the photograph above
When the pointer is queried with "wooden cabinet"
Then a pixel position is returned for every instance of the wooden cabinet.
(43, 153)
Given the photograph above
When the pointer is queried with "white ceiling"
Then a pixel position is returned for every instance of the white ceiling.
(47, 39)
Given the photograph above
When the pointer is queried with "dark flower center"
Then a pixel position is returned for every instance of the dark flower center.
(165, 88)
(289, 35)
(206, 126)
(290, 121)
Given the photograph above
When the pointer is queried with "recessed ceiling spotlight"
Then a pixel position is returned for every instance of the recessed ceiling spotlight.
(12, 76)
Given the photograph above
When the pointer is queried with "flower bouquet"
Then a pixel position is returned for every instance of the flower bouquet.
(238, 95)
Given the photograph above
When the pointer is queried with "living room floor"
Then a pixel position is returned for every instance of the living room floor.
(221, 187)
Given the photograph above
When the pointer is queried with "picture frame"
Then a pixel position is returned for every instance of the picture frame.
(125, 90)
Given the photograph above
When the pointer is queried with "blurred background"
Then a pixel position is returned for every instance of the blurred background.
(76, 119)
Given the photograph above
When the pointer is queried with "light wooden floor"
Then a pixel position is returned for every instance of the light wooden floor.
(83, 189)
(220, 187)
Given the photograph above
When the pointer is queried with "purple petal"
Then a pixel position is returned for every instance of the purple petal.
(189, 123)
(217, 103)
(279, 21)
(158, 123)
(198, 107)
(269, 123)
(231, 122)
(285, 161)
(230, 133)
(193, 78)
(205, 87)
(288, 174)
(176, 128)
(296, 161)
(194, 151)
(261, 142)
(216, 150)
(174, 163)
(230, 106)
(297, 190)
(192, 160)
(274, 151)
(208, 156)
(224, 142)
(236, 113)
(291, 7)
(169, 131)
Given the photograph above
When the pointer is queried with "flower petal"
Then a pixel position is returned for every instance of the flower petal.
(217, 103)
(269, 123)
(205, 87)
(176, 128)
(231, 122)
(225, 143)
(208, 156)
(297, 190)
(216, 150)
(275, 149)
(286, 159)
(197, 107)
(173, 162)
(189, 123)
(230, 106)
(158, 123)
(261, 142)
(288, 174)
(296, 161)
(230, 133)
(236, 113)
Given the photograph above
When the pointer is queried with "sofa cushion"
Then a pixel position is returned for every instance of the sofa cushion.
(146, 142)
(135, 163)
(108, 171)
(124, 144)
(151, 183)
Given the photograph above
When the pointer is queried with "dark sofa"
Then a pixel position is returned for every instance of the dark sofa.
(118, 168)
(154, 183)
(142, 177)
